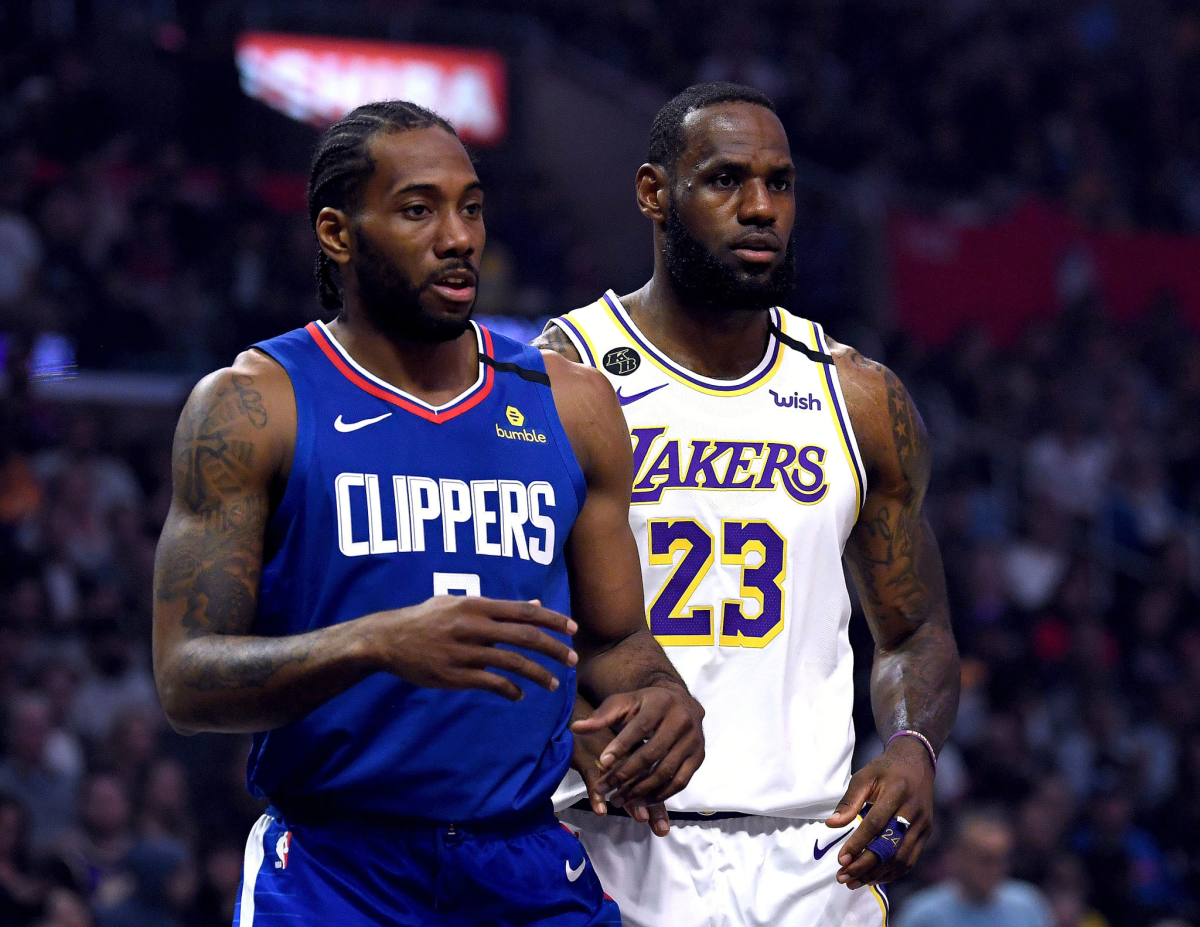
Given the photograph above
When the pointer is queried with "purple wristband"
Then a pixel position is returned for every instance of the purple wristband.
(888, 842)
(921, 737)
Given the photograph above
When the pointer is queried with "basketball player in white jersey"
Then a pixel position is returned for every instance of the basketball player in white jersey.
(764, 451)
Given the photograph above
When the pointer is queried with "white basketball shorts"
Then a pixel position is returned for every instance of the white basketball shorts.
(734, 872)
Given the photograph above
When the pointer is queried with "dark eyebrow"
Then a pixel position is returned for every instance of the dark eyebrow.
(725, 163)
(433, 188)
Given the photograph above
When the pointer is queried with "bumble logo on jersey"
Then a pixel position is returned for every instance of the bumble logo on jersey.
(517, 418)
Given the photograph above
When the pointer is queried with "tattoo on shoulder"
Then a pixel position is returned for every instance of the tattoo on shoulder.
(209, 461)
(864, 362)
(905, 425)
(553, 339)
(249, 399)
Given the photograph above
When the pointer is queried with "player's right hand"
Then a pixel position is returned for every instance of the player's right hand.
(450, 642)
(585, 759)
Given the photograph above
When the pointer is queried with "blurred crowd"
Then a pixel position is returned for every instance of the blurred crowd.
(1066, 492)
(1093, 102)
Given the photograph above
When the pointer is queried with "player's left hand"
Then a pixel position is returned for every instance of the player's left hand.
(899, 782)
(659, 747)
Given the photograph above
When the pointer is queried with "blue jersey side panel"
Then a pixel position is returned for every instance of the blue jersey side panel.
(482, 492)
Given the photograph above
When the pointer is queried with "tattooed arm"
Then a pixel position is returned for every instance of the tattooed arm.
(553, 339)
(233, 447)
(897, 569)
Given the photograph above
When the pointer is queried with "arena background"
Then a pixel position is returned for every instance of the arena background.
(998, 198)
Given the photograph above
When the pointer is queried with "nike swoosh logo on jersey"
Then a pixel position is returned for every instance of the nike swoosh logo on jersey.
(818, 851)
(573, 874)
(344, 427)
(626, 400)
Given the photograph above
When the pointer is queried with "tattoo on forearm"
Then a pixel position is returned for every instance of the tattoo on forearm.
(897, 569)
(237, 664)
(553, 339)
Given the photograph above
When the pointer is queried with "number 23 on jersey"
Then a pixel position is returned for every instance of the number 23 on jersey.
(754, 547)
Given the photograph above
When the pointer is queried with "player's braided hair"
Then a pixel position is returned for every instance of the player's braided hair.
(666, 135)
(342, 165)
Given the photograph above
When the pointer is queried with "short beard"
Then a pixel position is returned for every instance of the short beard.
(704, 282)
(393, 304)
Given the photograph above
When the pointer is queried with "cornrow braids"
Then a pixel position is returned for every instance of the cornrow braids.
(342, 165)
(666, 134)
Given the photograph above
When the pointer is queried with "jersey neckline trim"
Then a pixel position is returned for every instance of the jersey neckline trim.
(766, 368)
(381, 389)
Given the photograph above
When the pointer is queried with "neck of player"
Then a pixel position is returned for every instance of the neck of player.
(718, 343)
(435, 372)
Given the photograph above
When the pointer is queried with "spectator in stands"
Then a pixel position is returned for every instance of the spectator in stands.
(64, 908)
(164, 886)
(166, 804)
(979, 891)
(117, 680)
(21, 893)
(89, 857)
(46, 792)
(1130, 877)
(57, 680)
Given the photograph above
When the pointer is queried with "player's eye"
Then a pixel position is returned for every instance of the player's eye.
(416, 211)
(473, 210)
(780, 186)
(723, 181)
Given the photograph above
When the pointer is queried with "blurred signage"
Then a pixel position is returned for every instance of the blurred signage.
(319, 79)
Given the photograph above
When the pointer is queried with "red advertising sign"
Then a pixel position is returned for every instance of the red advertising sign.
(317, 79)
(1003, 274)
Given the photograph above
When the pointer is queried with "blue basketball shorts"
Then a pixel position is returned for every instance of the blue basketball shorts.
(347, 874)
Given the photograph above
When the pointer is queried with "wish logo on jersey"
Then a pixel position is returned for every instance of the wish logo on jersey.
(662, 463)
(499, 518)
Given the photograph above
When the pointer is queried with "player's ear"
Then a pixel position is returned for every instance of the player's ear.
(652, 192)
(333, 234)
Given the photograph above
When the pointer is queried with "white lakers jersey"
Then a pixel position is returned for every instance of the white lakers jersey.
(744, 494)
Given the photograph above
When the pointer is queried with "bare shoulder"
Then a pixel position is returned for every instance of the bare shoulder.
(581, 391)
(588, 409)
(553, 338)
(887, 426)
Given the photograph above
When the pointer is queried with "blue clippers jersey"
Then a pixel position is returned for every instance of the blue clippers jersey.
(389, 502)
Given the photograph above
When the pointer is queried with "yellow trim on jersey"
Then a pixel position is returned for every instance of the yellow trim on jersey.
(682, 377)
(581, 331)
(882, 903)
(838, 427)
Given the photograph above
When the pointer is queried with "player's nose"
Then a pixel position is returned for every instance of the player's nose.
(757, 206)
(456, 238)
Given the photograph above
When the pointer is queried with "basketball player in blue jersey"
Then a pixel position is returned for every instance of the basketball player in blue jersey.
(764, 451)
(396, 541)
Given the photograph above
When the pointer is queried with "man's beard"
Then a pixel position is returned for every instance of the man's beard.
(393, 304)
(704, 282)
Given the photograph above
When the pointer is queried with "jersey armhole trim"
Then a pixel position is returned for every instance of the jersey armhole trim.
(841, 415)
(577, 338)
